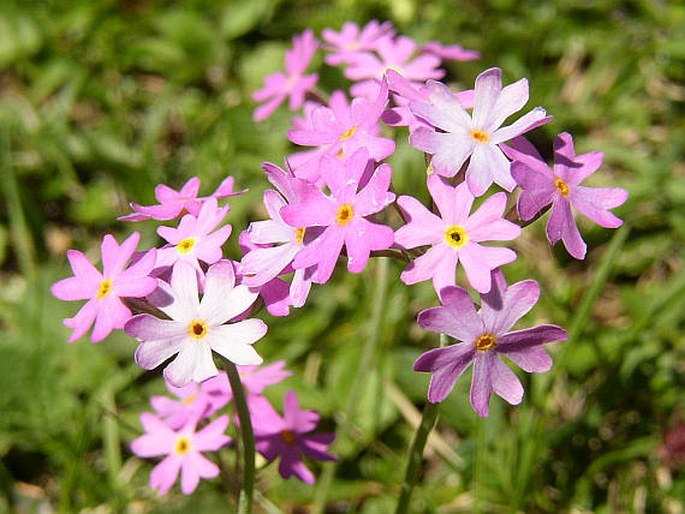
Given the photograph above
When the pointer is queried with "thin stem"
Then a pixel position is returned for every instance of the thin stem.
(240, 402)
(365, 365)
(428, 420)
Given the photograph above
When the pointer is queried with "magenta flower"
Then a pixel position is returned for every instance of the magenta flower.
(455, 237)
(289, 436)
(485, 337)
(560, 187)
(197, 327)
(397, 54)
(293, 84)
(449, 52)
(345, 44)
(105, 290)
(340, 130)
(182, 449)
(477, 136)
(194, 240)
(199, 400)
(257, 378)
(173, 203)
(343, 214)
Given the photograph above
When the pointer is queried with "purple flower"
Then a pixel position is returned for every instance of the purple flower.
(105, 290)
(289, 436)
(477, 136)
(351, 39)
(343, 214)
(175, 203)
(197, 327)
(193, 241)
(182, 448)
(293, 84)
(455, 237)
(560, 186)
(340, 130)
(450, 52)
(485, 337)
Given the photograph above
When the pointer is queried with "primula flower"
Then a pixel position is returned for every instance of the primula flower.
(182, 448)
(292, 84)
(455, 236)
(560, 187)
(485, 337)
(193, 241)
(174, 203)
(343, 214)
(197, 327)
(397, 54)
(449, 52)
(201, 400)
(477, 135)
(105, 290)
(351, 39)
(340, 130)
(289, 436)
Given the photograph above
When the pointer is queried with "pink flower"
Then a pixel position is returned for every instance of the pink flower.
(182, 449)
(257, 378)
(450, 52)
(105, 290)
(455, 237)
(292, 84)
(174, 203)
(345, 44)
(477, 136)
(193, 241)
(560, 186)
(194, 400)
(340, 130)
(196, 328)
(343, 215)
(289, 437)
(391, 54)
(485, 338)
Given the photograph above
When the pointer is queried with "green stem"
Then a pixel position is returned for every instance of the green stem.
(428, 420)
(365, 364)
(240, 402)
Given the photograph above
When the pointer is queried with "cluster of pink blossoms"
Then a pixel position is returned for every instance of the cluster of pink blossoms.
(186, 301)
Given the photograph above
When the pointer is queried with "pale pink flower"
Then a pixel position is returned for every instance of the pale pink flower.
(351, 39)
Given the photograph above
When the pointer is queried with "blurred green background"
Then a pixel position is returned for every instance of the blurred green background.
(102, 100)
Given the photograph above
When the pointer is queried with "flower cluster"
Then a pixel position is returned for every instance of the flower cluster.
(173, 429)
(186, 302)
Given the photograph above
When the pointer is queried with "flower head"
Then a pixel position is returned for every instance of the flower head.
(456, 236)
(344, 45)
(289, 436)
(105, 290)
(478, 135)
(197, 327)
(183, 450)
(485, 337)
(560, 187)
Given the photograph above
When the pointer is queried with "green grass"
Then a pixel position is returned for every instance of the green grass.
(101, 101)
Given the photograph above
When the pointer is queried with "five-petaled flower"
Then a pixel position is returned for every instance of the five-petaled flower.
(485, 337)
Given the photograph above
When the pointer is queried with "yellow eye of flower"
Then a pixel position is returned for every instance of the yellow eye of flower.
(182, 445)
(198, 329)
(186, 245)
(105, 288)
(288, 437)
(348, 134)
(562, 187)
(485, 342)
(456, 236)
(344, 215)
(479, 136)
(299, 234)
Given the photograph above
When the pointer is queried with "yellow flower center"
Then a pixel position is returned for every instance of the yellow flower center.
(479, 136)
(344, 214)
(485, 342)
(186, 245)
(288, 437)
(104, 288)
(189, 400)
(562, 186)
(456, 236)
(299, 234)
(198, 329)
(182, 445)
(348, 134)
